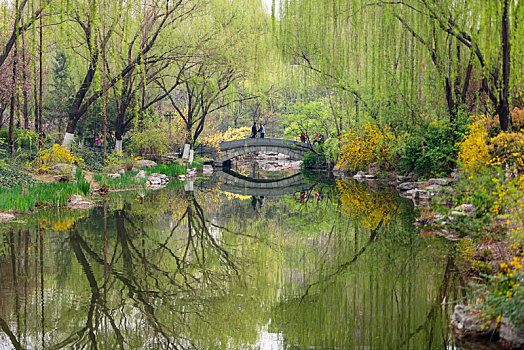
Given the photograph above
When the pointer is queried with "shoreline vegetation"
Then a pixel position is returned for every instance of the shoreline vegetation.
(480, 207)
(56, 177)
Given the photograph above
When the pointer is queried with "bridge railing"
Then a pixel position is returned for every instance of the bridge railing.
(273, 142)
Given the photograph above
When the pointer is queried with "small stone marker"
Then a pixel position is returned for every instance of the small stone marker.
(185, 154)
(188, 186)
(191, 156)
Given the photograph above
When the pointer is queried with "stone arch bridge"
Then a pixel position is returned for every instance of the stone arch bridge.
(228, 150)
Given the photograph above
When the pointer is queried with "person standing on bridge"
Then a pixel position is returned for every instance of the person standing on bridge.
(262, 131)
(253, 131)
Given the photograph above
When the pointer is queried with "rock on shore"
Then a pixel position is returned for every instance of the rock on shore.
(4, 217)
(468, 324)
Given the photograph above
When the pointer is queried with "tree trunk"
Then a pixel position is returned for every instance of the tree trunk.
(35, 95)
(25, 108)
(503, 105)
(70, 131)
(77, 109)
(105, 119)
(11, 141)
(40, 77)
(450, 101)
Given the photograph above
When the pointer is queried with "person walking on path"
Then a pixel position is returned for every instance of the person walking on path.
(253, 131)
(262, 131)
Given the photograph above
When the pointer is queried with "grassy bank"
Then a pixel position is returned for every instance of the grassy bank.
(22, 199)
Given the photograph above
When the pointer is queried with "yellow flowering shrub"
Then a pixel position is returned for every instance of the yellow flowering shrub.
(507, 149)
(473, 150)
(48, 157)
(505, 295)
(212, 137)
(359, 148)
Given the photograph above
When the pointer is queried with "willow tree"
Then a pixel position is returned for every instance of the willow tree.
(97, 22)
(410, 57)
(16, 18)
(15, 26)
(139, 91)
(220, 60)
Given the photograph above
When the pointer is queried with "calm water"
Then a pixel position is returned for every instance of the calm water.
(319, 265)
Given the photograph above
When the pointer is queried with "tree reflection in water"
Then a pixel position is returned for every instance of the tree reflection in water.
(140, 283)
(338, 266)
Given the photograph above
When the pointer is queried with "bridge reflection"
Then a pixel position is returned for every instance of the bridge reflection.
(233, 182)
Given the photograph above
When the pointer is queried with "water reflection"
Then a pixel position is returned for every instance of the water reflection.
(332, 265)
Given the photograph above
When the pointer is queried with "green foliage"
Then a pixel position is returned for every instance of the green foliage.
(494, 196)
(313, 160)
(155, 137)
(331, 149)
(308, 118)
(430, 152)
(83, 185)
(23, 138)
(61, 95)
(129, 180)
(126, 181)
(505, 292)
(22, 198)
(94, 160)
(171, 170)
(12, 177)
(3, 153)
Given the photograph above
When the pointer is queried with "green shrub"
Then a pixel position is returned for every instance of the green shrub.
(313, 160)
(505, 293)
(430, 152)
(93, 159)
(11, 177)
(156, 137)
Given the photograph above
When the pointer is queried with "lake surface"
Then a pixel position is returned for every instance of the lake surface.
(322, 264)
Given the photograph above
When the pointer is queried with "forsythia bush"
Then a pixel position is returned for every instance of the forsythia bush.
(473, 152)
(507, 148)
(212, 137)
(477, 150)
(360, 148)
(46, 158)
(505, 295)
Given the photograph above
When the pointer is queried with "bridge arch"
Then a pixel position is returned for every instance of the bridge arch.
(233, 182)
(228, 150)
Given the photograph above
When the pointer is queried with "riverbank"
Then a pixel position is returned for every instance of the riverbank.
(481, 210)
(67, 185)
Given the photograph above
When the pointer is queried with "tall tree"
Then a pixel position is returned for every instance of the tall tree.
(443, 50)
(96, 35)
